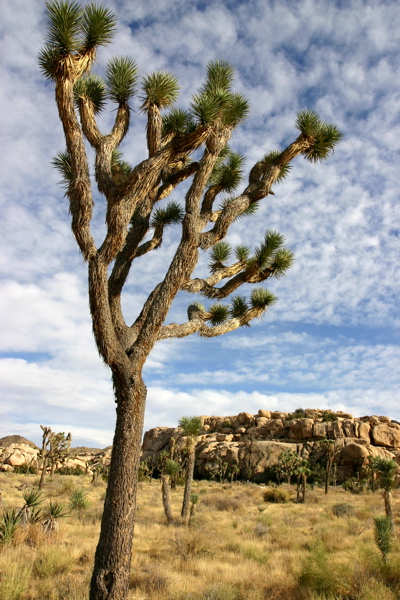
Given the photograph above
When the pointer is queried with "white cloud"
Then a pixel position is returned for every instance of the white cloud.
(342, 218)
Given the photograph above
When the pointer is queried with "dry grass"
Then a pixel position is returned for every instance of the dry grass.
(238, 547)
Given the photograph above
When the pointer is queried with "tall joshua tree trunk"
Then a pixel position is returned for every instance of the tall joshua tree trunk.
(165, 485)
(185, 512)
(110, 578)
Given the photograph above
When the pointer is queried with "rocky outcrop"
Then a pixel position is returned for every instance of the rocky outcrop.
(253, 443)
(19, 454)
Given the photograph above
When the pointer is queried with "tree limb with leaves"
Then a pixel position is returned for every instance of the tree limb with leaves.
(137, 214)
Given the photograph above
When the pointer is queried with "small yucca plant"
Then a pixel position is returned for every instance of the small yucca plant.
(30, 512)
(383, 535)
(9, 523)
(51, 522)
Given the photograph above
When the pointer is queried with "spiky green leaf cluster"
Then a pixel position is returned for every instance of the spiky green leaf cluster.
(64, 20)
(176, 122)
(160, 89)
(91, 88)
(73, 30)
(219, 105)
(239, 306)
(118, 165)
(270, 255)
(383, 534)
(216, 102)
(242, 253)
(121, 79)
(325, 135)
(33, 497)
(271, 158)
(48, 58)
(283, 260)
(262, 298)
(219, 313)
(170, 214)
(62, 162)
(273, 240)
(220, 252)
(220, 74)
(98, 25)
(228, 172)
(387, 470)
(171, 467)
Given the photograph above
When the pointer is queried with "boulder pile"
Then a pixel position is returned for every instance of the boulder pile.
(253, 443)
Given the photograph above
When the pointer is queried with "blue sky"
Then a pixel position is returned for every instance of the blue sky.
(332, 340)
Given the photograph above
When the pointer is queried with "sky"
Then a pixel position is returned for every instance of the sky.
(332, 339)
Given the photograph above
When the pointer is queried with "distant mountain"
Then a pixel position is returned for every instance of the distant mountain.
(15, 439)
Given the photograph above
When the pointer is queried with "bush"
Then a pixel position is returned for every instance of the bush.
(25, 470)
(328, 416)
(77, 470)
(276, 496)
(343, 510)
(355, 485)
(222, 502)
(318, 576)
(78, 500)
(299, 413)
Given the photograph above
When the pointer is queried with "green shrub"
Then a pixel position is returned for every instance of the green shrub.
(77, 470)
(299, 413)
(343, 510)
(318, 576)
(25, 469)
(355, 485)
(276, 496)
(329, 416)
(78, 500)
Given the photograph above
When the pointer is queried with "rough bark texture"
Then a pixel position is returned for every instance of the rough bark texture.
(185, 513)
(165, 484)
(113, 555)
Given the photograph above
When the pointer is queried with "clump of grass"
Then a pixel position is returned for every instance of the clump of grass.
(276, 496)
(343, 509)
(222, 502)
(260, 530)
(188, 544)
(319, 576)
(14, 581)
(51, 561)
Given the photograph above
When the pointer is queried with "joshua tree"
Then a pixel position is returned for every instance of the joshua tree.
(191, 428)
(386, 469)
(302, 471)
(134, 206)
(55, 449)
(330, 449)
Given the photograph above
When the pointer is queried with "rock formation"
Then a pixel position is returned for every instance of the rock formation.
(249, 444)
(253, 443)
